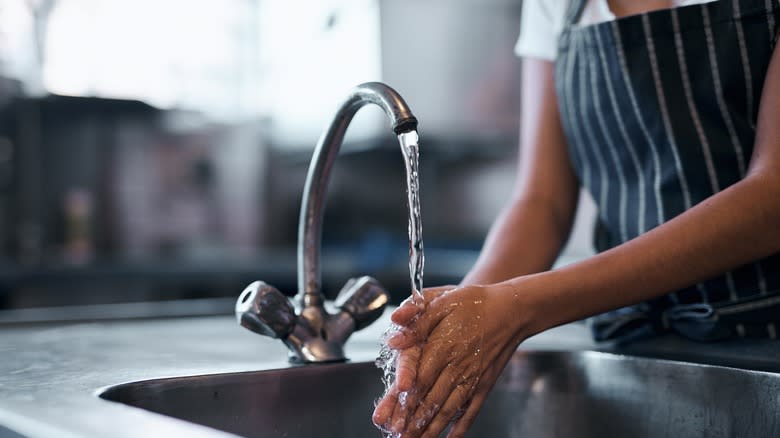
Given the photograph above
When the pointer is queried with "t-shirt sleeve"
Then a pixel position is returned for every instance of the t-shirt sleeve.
(539, 28)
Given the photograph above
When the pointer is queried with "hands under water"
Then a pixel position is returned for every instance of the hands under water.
(451, 349)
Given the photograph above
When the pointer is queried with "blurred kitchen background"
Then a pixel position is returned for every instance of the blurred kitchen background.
(154, 151)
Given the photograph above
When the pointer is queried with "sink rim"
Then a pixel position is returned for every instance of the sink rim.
(105, 391)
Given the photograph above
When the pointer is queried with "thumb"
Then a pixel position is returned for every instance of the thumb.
(437, 307)
(412, 306)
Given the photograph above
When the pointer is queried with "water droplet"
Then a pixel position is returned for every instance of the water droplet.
(402, 397)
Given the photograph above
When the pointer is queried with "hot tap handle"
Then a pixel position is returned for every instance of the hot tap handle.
(364, 299)
(262, 309)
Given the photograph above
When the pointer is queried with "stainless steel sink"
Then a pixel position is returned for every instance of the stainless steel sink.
(541, 394)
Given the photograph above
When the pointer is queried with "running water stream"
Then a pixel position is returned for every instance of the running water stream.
(411, 151)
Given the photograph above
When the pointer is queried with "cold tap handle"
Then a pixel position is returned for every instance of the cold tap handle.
(262, 309)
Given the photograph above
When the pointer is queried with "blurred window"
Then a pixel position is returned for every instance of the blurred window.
(174, 53)
(290, 60)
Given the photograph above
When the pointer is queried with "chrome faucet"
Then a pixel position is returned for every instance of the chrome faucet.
(311, 333)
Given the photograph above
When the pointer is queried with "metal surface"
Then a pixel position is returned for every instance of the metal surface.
(313, 204)
(50, 373)
(312, 334)
(541, 394)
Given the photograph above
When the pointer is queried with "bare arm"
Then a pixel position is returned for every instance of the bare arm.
(736, 226)
(534, 225)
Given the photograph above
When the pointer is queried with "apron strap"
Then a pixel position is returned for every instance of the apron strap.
(574, 11)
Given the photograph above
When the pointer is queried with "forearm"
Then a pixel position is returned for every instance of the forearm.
(525, 239)
(529, 233)
(736, 226)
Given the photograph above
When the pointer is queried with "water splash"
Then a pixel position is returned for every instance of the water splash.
(387, 357)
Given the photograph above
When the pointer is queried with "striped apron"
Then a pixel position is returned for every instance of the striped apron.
(659, 111)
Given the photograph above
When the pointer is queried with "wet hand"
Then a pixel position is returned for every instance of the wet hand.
(452, 349)
(405, 363)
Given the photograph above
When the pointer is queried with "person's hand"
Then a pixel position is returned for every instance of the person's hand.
(452, 350)
(405, 361)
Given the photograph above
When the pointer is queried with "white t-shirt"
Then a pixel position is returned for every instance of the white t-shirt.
(543, 21)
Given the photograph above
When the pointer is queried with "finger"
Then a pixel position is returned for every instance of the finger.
(432, 293)
(406, 312)
(420, 328)
(462, 424)
(385, 407)
(487, 382)
(406, 368)
(392, 408)
(431, 420)
(402, 338)
(390, 413)
(451, 382)
(411, 307)
(443, 347)
(431, 364)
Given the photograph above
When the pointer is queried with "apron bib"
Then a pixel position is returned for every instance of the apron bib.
(659, 111)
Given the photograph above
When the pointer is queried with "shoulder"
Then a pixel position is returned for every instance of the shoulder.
(552, 10)
(542, 22)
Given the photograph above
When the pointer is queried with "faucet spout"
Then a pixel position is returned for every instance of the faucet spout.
(312, 206)
(309, 331)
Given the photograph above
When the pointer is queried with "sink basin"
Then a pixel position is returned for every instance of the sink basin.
(540, 394)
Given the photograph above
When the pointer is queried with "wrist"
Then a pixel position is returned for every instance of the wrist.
(539, 302)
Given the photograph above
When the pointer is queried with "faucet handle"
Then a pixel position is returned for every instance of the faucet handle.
(262, 309)
(364, 299)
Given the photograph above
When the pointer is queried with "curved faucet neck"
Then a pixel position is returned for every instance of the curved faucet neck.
(318, 177)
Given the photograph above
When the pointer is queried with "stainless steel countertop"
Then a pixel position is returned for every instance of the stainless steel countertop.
(50, 374)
